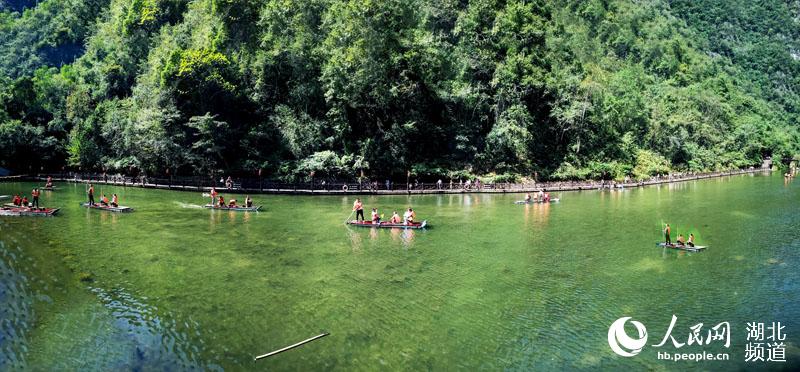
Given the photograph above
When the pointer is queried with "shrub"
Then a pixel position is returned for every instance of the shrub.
(649, 163)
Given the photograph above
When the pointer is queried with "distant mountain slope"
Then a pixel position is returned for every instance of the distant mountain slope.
(760, 36)
(17, 5)
(50, 34)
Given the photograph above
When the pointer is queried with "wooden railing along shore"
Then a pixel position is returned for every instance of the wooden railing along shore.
(256, 186)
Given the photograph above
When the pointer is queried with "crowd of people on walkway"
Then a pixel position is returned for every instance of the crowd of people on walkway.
(455, 184)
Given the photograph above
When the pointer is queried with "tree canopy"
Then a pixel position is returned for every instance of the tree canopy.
(566, 89)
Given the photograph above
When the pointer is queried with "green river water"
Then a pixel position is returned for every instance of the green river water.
(490, 285)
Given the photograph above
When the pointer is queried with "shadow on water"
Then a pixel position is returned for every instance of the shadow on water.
(150, 341)
(357, 235)
(121, 332)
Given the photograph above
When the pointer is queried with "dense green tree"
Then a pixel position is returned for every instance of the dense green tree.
(439, 88)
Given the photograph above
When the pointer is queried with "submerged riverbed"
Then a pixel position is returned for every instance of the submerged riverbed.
(490, 285)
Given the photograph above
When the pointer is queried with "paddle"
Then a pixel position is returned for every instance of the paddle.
(348, 217)
(291, 346)
(86, 189)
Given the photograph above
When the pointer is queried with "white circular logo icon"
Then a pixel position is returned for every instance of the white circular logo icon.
(621, 343)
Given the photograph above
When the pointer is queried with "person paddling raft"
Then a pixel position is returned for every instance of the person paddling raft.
(690, 242)
(221, 201)
(667, 240)
(213, 194)
(91, 194)
(359, 208)
(248, 202)
(395, 218)
(376, 218)
(35, 196)
(541, 196)
(17, 200)
(114, 201)
(681, 241)
(25, 201)
(104, 200)
(49, 183)
(528, 197)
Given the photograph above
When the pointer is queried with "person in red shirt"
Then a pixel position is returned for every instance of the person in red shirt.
(35, 196)
(213, 194)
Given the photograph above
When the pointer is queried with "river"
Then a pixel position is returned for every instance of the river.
(489, 285)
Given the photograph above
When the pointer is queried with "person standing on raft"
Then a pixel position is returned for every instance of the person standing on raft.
(213, 194)
(35, 197)
(91, 194)
(667, 240)
(359, 208)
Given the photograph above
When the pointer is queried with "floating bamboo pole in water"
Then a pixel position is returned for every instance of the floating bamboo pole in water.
(291, 346)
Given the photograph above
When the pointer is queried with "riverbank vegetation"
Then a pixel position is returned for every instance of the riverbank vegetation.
(342, 88)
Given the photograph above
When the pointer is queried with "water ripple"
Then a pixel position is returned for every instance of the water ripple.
(16, 313)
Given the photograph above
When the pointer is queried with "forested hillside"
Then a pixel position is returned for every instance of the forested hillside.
(568, 89)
